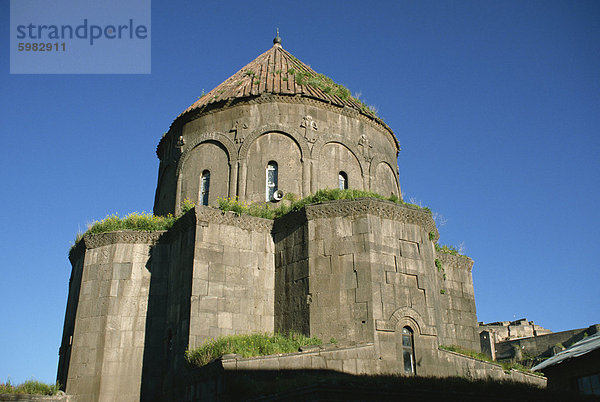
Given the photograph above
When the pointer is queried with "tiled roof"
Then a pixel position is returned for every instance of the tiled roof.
(277, 72)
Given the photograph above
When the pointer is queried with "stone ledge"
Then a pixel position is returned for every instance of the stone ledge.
(129, 236)
(209, 215)
(495, 368)
(121, 236)
(455, 261)
(202, 216)
(60, 397)
(372, 206)
(232, 361)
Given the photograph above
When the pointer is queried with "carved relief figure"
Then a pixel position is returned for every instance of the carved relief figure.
(239, 130)
(366, 147)
(310, 126)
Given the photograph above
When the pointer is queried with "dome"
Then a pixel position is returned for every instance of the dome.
(276, 116)
(278, 72)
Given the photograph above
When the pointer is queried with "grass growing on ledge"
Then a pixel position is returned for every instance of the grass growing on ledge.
(265, 210)
(329, 86)
(467, 352)
(29, 387)
(506, 365)
(248, 346)
(448, 250)
(146, 222)
(143, 222)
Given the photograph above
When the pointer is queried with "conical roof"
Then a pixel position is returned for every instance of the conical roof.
(278, 72)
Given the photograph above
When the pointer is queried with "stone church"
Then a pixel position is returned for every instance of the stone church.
(365, 272)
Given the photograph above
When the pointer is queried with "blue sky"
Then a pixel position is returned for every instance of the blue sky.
(496, 106)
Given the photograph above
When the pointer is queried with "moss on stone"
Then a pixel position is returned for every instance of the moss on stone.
(146, 222)
(248, 346)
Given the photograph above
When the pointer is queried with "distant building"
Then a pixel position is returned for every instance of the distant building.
(365, 272)
(576, 368)
(524, 342)
(509, 330)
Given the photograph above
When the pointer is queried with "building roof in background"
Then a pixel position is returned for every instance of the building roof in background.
(584, 346)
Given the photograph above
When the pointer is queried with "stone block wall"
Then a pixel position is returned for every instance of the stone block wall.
(372, 272)
(176, 257)
(357, 359)
(109, 331)
(205, 383)
(508, 330)
(354, 270)
(292, 298)
(233, 280)
(454, 364)
(457, 303)
(76, 256)
(340, 290)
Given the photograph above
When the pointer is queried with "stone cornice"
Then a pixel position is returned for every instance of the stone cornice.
(203, 216)
(90, 241)
(208, 215)
(373, 206)
(268, 98)
(455, 261)
(121, 236)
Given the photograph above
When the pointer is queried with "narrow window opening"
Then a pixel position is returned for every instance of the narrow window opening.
(170, 341)
(589, 385)
(342, 181)
(408, 353)
(271, 186)
(205, 187)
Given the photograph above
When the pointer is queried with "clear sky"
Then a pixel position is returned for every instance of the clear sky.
(496, 105)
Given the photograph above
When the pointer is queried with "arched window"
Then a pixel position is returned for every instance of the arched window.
(408, 351)
(342, 181)
(204, 187)
(271, 183)
(169, 341)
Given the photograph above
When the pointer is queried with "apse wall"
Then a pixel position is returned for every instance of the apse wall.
(312, 144)
(106, 349)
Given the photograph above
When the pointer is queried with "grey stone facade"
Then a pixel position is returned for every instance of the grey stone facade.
(360, 271)
(357, 271)
(105, 345)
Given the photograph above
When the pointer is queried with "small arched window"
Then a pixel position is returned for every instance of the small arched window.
(271, 182)
(204, 187)
(170, 341)
(342, 181)
(408, 351)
